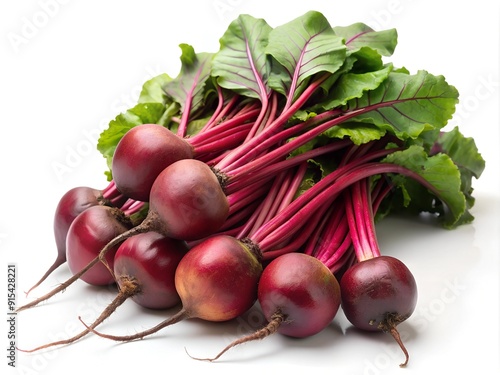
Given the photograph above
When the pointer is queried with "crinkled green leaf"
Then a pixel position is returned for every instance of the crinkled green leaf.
(407, 105)
(171, 110)
(347, 66)
(367, 60)
(302, 48)
(188, 87)
(358, 132)
(142, 113)
(352, 85)
(359, 35)
(152, 90)
(241, 64)
(442, 173)
(401, 70)
(426, 139)
(365, 49)
(464, 153)
(301, 116)
(367, 45)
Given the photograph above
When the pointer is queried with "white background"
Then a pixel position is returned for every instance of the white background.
(68, 67)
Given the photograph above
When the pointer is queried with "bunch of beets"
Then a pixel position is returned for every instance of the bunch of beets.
(256, 177)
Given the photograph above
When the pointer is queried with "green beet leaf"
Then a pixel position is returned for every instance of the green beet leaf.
(406, 105)
(152, 90)
(464, 153)
(367, 45)
(241, 64)
(300, 49)
(447, 201)
(188, 88)
(352, 85)
(359, 35)
(358, 132)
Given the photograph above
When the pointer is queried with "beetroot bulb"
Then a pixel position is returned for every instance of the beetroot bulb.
(150, 260)
(186, 203)
(301, 292)
(379, 291)
(144, 269)
(142, 153)
(88, 233)
(71, 204)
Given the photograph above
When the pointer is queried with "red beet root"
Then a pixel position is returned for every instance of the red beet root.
(150, 259)
(88, 233)
(378, 294)
(188, 200)
(379, 291)
(142, 153)
(303, 290)
(217, 279)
